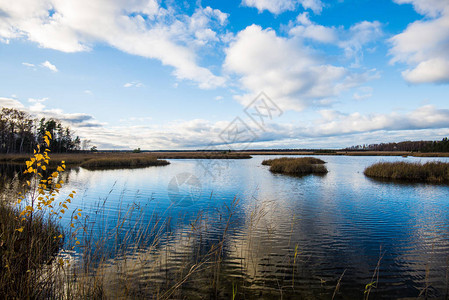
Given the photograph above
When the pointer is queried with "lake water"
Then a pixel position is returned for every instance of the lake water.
(287, 236)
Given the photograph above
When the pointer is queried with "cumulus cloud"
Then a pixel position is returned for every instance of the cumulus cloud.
(423, 45)
(140, 27)
(38, 110)
(338, 129)
(280, 6)
(336, 123)
(352, 40)
(286, 70)
(49, 65)
(10, 103)
(331, 129)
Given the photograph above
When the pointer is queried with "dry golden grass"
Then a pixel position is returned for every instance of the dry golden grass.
(429, 172)
(296, 166)
(121, 159)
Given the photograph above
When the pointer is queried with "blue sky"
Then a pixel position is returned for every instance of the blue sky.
(187, 74)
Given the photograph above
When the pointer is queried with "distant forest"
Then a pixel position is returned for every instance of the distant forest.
(20, 133)
(411, 146)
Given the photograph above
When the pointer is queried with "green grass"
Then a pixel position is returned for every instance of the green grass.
(436, 172)
(296, 166)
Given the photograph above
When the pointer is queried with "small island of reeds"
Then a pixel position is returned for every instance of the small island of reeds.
(435, 172)
(123, 162)
(296, 166)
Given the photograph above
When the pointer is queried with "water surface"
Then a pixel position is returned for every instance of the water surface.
(342, 222)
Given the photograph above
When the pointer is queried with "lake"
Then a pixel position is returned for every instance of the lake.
(280, 235)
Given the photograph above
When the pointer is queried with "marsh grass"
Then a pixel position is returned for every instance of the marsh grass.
(434, 172)
(24, 255)
(296, 166)
(122, 162)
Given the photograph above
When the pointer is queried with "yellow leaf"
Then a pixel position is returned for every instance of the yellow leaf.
(60, 169)
(60, 236)
(79, 214)
(65, 206)
(54, 174)
(28, 182)
(77, 242)
(71, 195)
(20, 229)
(44, 168)
(58, 186)
(71, 225)
(75, 217)
(63, 211)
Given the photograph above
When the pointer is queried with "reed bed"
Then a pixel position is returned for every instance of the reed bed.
(24, 257)
(119, 163)
(296, 166)
(121, 159)
(435, 172)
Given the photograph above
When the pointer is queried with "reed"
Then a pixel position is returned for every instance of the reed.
(23, 256)
(123, 162)
(436, 172)
(296, 166)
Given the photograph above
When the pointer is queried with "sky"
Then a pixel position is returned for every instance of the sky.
(246, 74)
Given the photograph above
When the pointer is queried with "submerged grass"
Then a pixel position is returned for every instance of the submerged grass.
(296, 166)
(436, 172)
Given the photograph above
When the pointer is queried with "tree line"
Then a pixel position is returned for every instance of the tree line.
(20, 133)
(410, 146)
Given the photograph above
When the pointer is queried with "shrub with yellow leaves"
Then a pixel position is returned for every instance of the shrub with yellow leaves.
(44, 189)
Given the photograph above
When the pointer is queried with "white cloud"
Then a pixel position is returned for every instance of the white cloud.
(363, 93)
(38, 110)
(28, 65)
(135, 84)
(140, 27)
(38, 105)
(309, 30)
(280, 6)
(337, 123)
(353, 41)
(10, 103)
(219, 98)
(358, 36)
(286, 70)
(423, 45)
(331, 129)
(49, 65)
(36, 100)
